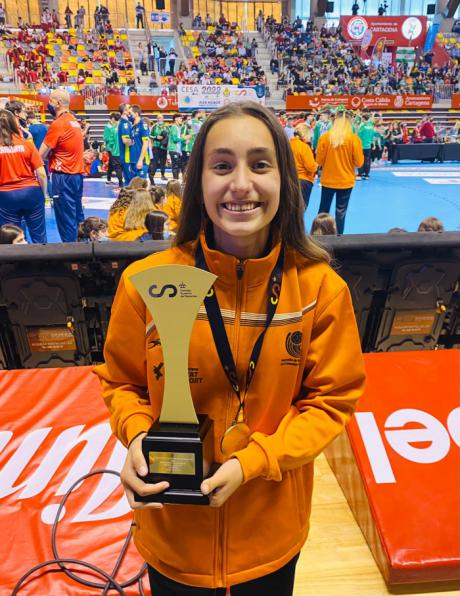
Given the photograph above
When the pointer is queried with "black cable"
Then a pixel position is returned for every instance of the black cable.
(111, 583)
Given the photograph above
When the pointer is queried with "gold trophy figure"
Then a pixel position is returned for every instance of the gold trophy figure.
(179, 447)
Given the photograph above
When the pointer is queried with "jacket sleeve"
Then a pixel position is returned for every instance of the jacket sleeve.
(358, 155)
(124, 375)
(321, 151)
(308, 160)
(333, 382)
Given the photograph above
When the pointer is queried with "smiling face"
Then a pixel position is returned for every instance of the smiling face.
(241, 184)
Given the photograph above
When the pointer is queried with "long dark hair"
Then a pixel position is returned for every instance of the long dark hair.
(8, 128)
(289, 218)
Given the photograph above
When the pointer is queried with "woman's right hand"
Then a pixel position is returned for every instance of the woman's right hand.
(135, 466)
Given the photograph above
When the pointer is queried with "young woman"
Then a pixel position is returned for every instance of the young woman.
(141, 204)
(304, 161)
(339, 152)
(117, 212)
(23, 181)
(173, 203)
(92, 229)
(242, 218)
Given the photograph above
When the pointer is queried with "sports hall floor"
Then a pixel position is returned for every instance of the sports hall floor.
(399, 195)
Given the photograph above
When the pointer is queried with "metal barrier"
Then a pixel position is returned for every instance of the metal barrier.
(55, 300)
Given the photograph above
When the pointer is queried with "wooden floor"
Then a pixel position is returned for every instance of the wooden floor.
(336, 560)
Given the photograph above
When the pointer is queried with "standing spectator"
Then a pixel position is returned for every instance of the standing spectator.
(151, 54)
(68, 17)
(81, 17)
(339, 152)
(175, 145)
(162, 57)
(260, 22)
(125, 141)
(322, 126)
(188, 138)
(37, 129)
(305, 162)
(139, 153)
(113, 149)
(427, 131)
(85, 129)
(2, 16)
(140, 12)
(159, 140)
(63, 146)
(172, 57)
(21, 196)
(366, 135)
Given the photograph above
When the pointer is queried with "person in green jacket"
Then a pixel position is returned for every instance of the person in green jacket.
(188, 138)
(113, 148)
(321, 127)
(366, 134)
(175, 145)
(159, 139)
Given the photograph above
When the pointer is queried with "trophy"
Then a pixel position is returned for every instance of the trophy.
(179, 447)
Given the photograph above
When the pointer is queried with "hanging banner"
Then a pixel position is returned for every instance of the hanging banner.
(211, 97)
(377, 52)
(431, 37)
(360, 102)
(365, 42)
(398, 31)
(149, 103)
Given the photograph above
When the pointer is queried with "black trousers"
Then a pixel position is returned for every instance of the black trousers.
(342, 196)
(184, 161)
(278, 583)
(306, 187)
(114, 166)
(176, 162)
(139, 21)
(366, 167)
(158, 162)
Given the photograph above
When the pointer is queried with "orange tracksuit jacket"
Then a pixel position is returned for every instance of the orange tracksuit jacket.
(338, 164)
(304, 161)
(308, 379)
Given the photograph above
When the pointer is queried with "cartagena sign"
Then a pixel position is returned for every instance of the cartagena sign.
(397, 31)
(211, 97)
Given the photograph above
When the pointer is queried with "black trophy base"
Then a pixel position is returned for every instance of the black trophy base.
(182, 455)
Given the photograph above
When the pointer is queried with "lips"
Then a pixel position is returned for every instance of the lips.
(241, 207)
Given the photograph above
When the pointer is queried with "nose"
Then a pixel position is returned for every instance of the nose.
(241, 182)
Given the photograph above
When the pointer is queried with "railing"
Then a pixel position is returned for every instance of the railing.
(442, 92)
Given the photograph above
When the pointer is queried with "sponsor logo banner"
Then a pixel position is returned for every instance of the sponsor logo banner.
(396, 30)
(359, 102)
(146, 102)
(406, 438)
(210, 97)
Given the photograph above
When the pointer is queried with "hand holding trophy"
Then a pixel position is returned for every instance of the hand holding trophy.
(179, 447)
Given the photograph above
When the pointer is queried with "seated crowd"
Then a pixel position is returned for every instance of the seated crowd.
(319, 61)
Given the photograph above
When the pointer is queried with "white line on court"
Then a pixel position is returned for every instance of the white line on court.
(442, 180)
(421, 174)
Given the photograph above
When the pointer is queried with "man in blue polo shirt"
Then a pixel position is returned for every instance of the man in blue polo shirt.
(139, 150)
(125, 140)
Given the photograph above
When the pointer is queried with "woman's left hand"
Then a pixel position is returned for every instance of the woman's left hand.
(223, 483)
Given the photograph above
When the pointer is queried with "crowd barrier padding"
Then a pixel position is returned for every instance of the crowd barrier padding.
(55, 299)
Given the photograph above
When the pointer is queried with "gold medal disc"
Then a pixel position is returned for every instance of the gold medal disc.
(236, 437)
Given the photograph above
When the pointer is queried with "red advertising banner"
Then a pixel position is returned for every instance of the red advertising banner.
(455, 102)
(397, 31)
(150, 103)
(54, 430)
(360, 102)
(406, 440)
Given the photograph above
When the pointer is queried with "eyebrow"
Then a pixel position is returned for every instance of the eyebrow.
(253, 151)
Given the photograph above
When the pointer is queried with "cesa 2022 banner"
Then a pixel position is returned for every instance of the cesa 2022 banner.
(398, 31)
(211, 97)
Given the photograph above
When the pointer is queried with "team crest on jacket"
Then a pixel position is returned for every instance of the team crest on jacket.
(294, 344)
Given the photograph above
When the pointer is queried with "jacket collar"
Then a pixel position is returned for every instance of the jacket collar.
(256, 271)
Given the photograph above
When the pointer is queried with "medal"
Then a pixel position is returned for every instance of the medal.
(236, 437)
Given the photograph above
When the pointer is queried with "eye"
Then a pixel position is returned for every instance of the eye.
(261, 165)
(221, 166)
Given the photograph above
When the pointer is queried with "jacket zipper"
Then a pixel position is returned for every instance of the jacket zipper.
(222, 529)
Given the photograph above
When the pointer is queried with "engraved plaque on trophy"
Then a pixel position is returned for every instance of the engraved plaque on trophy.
(179, 447)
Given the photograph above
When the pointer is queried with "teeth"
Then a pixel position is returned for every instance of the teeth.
(240, 206)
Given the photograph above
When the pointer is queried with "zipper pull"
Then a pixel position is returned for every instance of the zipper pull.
(240, 269)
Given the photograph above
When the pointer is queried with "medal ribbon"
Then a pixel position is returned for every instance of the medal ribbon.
(218, 328)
